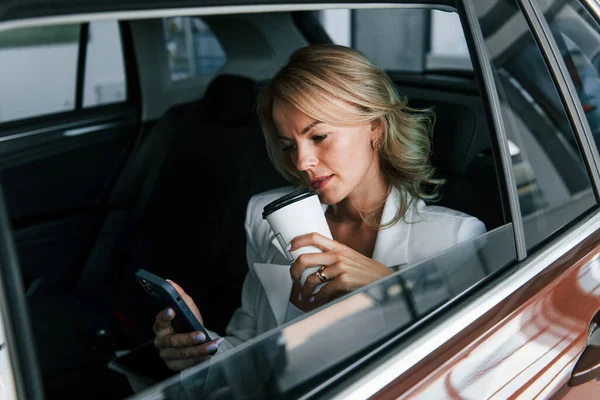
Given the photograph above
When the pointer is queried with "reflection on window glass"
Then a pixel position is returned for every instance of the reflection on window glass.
(104, 69)
(192, 48)
(578, 38)
(39, 69)
(293, 360)
(551, 177)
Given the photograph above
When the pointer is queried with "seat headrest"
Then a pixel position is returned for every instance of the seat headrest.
(231, 98)
(458, 137)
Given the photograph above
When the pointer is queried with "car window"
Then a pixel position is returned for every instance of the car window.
(402, 39)
(551, 179)
(104, 81)
(294, 359)
(447, 47)
(577, 35)
(337, 24)
(192, 48)
(41, 64)
(39, 70)
(287, 361)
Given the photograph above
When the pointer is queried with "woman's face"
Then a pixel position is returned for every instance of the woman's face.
(337, 161)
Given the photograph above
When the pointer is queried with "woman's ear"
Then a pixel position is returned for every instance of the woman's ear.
(376, 129)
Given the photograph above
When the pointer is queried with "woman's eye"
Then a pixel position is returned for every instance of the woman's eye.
(315, 138)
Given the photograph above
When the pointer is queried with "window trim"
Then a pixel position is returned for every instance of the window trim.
(593, 7)
(490, 96)
(130, 68)
(84, 34)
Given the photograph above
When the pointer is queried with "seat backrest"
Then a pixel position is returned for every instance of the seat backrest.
(194, 225)
(462, 155)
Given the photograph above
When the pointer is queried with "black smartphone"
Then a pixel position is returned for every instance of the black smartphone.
(166, 296)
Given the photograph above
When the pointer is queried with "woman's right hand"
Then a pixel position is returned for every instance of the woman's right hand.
(181, 350)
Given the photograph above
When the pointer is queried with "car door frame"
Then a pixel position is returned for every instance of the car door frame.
(97, 120)
(413, 353)
(413, 361)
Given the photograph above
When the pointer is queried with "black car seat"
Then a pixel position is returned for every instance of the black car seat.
(462, 155)
(194, 224)
(192, 228)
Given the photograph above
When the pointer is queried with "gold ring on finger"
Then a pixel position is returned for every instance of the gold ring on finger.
(321, 274)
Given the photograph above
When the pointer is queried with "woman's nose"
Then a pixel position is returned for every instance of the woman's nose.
(306, 158)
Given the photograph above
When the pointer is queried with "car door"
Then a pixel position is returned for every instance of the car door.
(534, 334)
(64, 134)
(556, 248)
(69, 116)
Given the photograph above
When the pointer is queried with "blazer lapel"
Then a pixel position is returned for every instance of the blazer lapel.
(391, 244)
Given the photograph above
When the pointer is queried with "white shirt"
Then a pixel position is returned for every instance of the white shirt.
(267, 286)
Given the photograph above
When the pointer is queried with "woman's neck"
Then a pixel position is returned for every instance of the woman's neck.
(361, 205)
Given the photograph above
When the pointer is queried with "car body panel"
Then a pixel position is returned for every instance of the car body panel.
(525, 346)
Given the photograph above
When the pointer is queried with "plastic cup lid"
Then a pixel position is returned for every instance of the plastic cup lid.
(286, 200)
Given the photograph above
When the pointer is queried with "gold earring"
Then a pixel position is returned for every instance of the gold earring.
(376, 145)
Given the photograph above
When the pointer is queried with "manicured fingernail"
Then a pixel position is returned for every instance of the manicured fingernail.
(300, 297)
(311, 299)
(219, 341)
(288, 247)
(200, 337)
(212, 348)
(169, 312)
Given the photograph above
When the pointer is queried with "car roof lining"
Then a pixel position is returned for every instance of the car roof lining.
(33, 13)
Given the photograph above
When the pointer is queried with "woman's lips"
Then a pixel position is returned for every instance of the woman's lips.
(320, 184)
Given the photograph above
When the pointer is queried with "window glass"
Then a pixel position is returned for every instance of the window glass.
(104, 65)
(578, 37)
(415, 39)
(302, 349)
(551, 178)
(337, 24)
(292, 360)
(448, 46)
(39, 71)
(192, 48)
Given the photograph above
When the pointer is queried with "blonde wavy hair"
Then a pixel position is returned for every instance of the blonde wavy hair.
(316, 74)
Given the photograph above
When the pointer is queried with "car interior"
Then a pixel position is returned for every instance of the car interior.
(165, 188)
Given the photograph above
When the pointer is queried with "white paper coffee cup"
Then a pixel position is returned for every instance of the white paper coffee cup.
(295, 214)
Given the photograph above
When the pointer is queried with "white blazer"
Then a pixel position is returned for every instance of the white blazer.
(267, 286)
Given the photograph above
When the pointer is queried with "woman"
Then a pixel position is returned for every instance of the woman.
(333, 122)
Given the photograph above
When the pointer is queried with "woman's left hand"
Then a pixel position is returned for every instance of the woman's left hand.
(346, 270)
